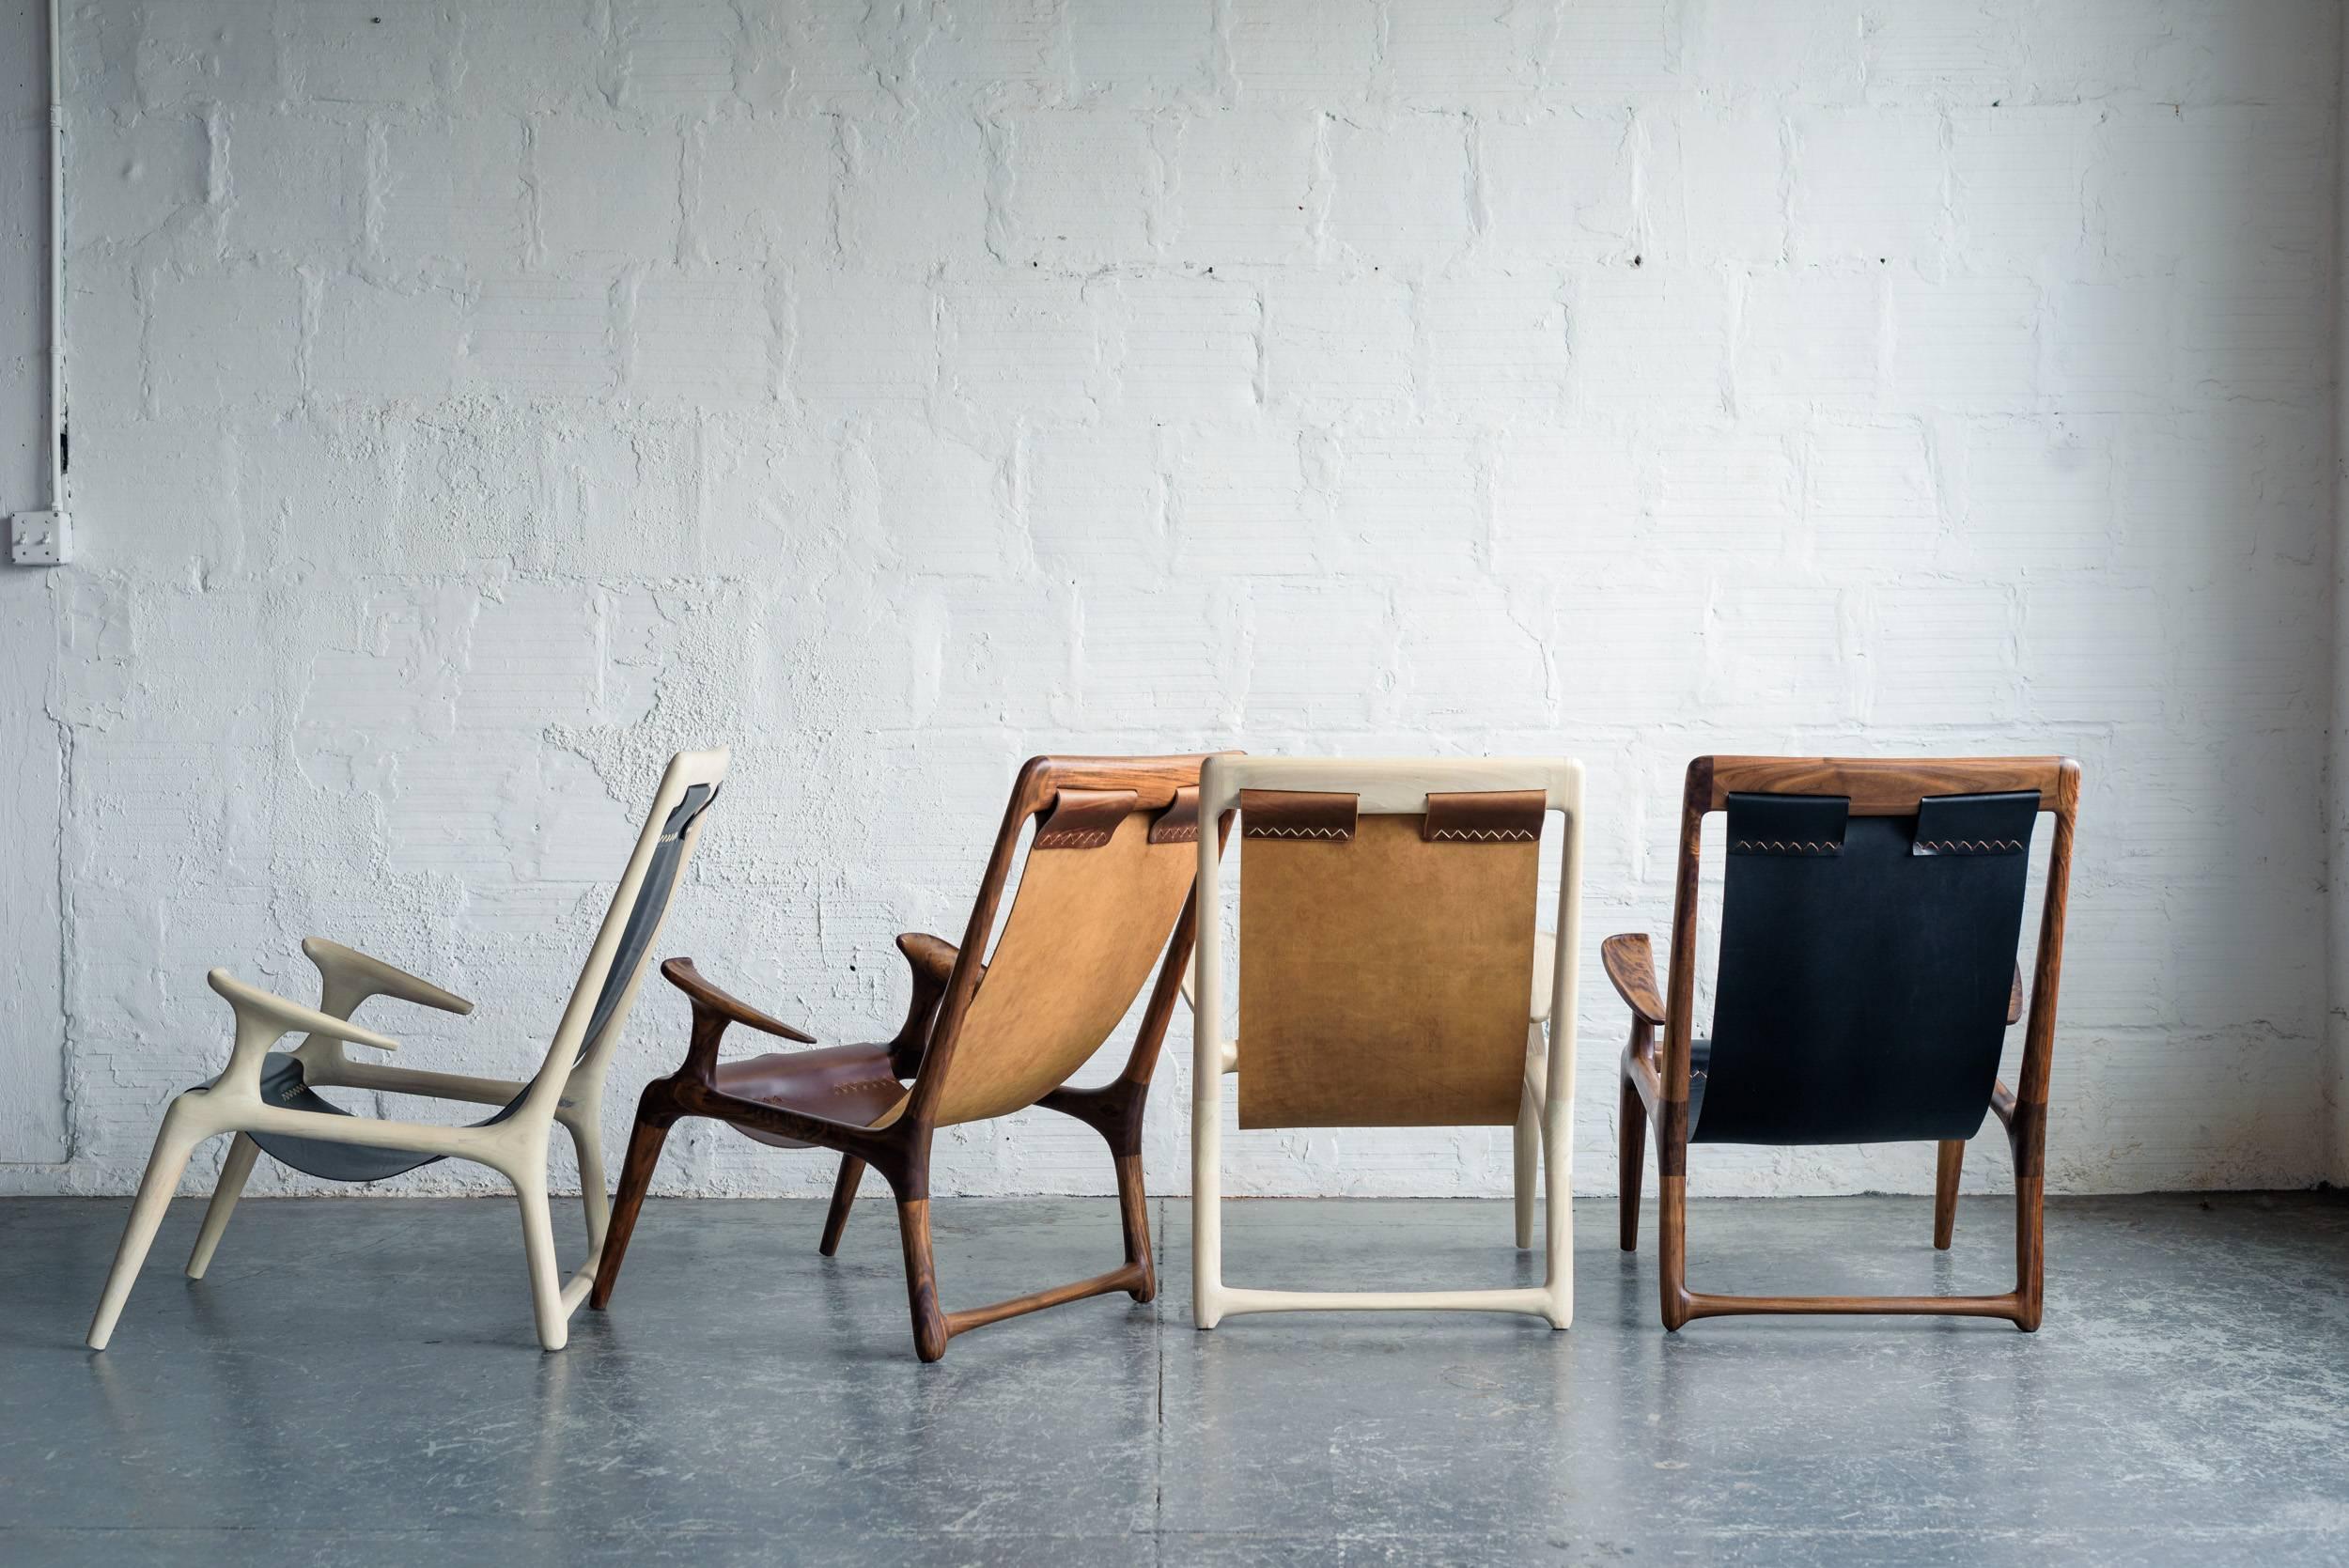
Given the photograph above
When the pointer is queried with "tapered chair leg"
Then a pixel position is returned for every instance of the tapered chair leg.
(1949, 1163)
(594, 1196)
(2031, 1250)
(843, 1197)
(174, 1144)
(1526, 1142)
(929, 1319)
(1671, 1266)
(643, 1154)
(1630, 1163)
(233, 1172)
(546, 1282)
(1133, 1211)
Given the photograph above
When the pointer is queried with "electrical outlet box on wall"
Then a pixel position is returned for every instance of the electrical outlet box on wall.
(41, 539)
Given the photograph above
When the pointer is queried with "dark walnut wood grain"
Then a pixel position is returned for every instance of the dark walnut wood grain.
(1632, 968)
(1655, 1082)
(929, 1047)
(681, 973)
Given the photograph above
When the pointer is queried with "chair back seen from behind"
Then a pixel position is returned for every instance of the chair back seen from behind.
(1870, 918)
(1100, 894)
(1388, 945)
(1865, 967)
(1384, 956)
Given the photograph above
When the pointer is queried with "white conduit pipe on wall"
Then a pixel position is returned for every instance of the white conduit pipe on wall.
(57, 256)
(46, 539)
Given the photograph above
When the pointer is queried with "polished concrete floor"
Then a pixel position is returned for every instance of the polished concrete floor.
(357, 1382)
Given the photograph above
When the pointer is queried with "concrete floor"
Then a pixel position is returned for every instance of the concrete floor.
(357, 1382)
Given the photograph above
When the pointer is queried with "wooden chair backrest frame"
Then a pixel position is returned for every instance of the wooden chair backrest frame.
(571, 1053)
(965, 1076)
(1876, 787)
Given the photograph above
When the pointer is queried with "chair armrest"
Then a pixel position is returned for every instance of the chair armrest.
(932, 961)
(931, 958)
(681, 973)
(1632, 968)
(264, 1018)
(348, 977)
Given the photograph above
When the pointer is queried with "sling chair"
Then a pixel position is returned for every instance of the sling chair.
(1386, 934)
(1103, 892)
(271, 1099)
(1870, 916)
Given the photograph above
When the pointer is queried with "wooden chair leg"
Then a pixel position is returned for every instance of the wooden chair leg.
(233, 1172)
(181, 1132)
(1630, 1163)
(2030, 1251)
(595, 1200)
(1526, 1151)
(913, 1230)
(1133, 1207)
(644, 1153)
(843, 1196)
(1671, 1269)
(546, 1279)
(1949, 1161)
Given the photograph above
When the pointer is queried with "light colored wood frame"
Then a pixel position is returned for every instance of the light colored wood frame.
(566, 1088)
(1392, 786)
(1656, 1086)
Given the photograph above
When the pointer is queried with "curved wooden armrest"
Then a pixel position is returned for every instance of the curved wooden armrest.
(681, 973)
(1632, 968)
(262, 1008)
(347, 977)
(932, 961)
(264, 1018)
(931, 958)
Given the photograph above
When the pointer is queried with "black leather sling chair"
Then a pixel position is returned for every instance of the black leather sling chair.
(1870, 916)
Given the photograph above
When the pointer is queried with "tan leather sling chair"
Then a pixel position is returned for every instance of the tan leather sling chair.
(1104, 892)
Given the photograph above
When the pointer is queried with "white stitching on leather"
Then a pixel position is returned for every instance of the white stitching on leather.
(1073, 838)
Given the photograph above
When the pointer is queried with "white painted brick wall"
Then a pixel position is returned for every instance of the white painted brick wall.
(474, 402)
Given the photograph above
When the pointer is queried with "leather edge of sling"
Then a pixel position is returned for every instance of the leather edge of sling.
(1325, 815)
(1485, 817)
(1179, 822)
(1791, 825)
(1083, 818)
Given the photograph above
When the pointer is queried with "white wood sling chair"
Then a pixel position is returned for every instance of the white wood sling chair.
(270, 1099)
(1387, 929)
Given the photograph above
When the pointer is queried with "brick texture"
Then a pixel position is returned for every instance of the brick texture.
(474, 403)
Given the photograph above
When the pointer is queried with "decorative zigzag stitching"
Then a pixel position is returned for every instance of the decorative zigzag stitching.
(1974, 845)
(1487, 836)
(1299, 833)
(1789, 846)
(1068, 838)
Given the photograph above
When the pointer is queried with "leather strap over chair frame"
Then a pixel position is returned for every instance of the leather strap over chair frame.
(1104, 891)
(1870, 916)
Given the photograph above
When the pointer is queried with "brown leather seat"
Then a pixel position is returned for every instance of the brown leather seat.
(840, 1083)
(1104, 895)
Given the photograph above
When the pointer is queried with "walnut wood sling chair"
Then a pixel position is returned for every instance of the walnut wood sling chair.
(1387, 931)
(1103, 892)
(1870, 912)
(270, 1099)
